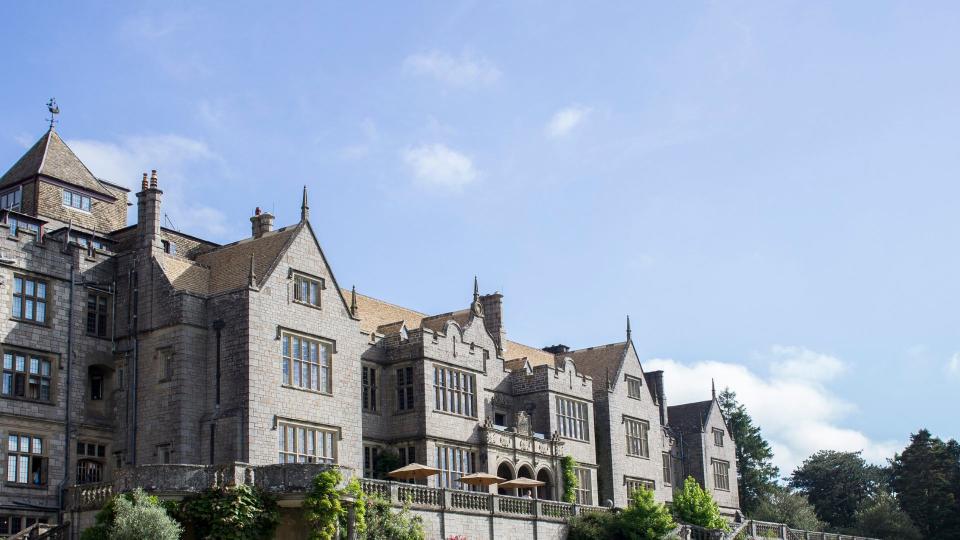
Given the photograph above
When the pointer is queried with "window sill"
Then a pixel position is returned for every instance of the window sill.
(455, 415)
(638, 456)
(25, 486)
(404, 412)
(75, 209)
(636, 398)
(307, 390)
(28, 400)
(374, 412)
(29, 321)
(574, 439)
(96, 336)
(307, 304)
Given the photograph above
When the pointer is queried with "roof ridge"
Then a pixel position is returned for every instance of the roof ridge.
(67, 146)
(595, 347)
(46, 147)
(394, 305)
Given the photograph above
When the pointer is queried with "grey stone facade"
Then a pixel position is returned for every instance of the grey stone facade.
(166, 348)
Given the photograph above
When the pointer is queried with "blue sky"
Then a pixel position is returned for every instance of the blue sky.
(767, 188)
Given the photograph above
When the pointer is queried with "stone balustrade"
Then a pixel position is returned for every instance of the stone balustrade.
(758, 530)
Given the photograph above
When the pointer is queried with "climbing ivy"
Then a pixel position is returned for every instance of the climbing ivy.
(569, 479)
(233, 513)
(323, 506)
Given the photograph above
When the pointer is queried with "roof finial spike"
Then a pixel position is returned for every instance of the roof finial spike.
(304, 207)
(353, 301)
(54, 111)
(628, 328)
(713, 388)
(476, 289)
(252, 277)
(477, 305)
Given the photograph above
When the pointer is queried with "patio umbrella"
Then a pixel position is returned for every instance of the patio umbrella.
(521, 483)
(413, 471)
(481, 479)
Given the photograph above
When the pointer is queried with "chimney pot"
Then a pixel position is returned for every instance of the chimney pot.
(256, 211)
(144, 183)
(153, 179)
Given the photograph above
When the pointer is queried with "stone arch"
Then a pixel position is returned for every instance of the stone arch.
(505, 471)
(525, 471)
(545, 491)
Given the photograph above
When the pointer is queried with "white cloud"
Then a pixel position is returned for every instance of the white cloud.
(953, 365)
(465, 70)
(565, 120)
(123, 162)
(439, 165)
(793, 405)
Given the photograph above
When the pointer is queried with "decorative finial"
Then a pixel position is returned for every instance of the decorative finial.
(304, 207)
(54, 111)
(353, 301)
(144, 183)
(628, 328)
(252, 277)
(713, 389)
(153, 179)
(477, 305)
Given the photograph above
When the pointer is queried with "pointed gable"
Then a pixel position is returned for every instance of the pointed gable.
(601, 363)
(690, 417)
(51, 157)
(230, 264)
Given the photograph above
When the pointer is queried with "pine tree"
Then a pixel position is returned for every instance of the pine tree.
(756, 474)
(838, 484)
(926, 479)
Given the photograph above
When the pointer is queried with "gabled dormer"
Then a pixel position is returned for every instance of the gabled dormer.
(49, 181)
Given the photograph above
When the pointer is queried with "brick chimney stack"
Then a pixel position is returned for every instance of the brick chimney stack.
(148, 212)
(493, 317)
(261, 222)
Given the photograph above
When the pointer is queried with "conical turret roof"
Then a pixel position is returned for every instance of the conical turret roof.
(51, 157)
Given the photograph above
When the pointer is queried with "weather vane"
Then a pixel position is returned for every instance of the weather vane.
(54, 111)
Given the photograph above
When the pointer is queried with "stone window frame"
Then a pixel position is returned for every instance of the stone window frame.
(372, 451)
(298, 277)
(454, 391)
(67, 199)
(98, 314)
(667, 468)
(632, 483)
(287, 377)
(91, 462)
(454, 461)
(281, 424)
(164, 453)
(12, 199)
(405, 393)
(721, 474)
(717, 437)
(166, 361)
(634, 387)
(370, 387)
(583, 491)
(35, 461)
(10, 370)
(573, 418)
(22, 280)
(641, 436)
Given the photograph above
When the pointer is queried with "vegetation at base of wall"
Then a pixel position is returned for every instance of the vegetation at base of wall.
(695, 506)
(383, 523)
(238, 512)
(645, 519)
(324, 510)
(133, 516)
(569, 479)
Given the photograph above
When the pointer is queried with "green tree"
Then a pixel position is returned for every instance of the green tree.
(883, 518)
(133, 516)
(756, 474)
(926, 479)
(694, 506)
(793, 509)
(837, 484)
(240, 512)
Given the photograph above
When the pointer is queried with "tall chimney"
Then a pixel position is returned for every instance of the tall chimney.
(655, 378)
(261, 222)
(148, 212)
(493, 317)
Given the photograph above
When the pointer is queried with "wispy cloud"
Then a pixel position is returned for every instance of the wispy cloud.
(566, 120)
(798, 412)
(462, 71)
(123, 162)
(953, 365)
(359, 150)
(438, 165)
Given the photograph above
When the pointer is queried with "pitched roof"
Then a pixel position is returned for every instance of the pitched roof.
(690, 416)
(439, 322)
(536, 357)
(374, 313)
(50, 156)
(230, 264)
(600, 363)
(185, 275)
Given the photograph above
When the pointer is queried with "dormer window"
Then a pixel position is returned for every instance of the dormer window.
(11, 199)
(76, 200)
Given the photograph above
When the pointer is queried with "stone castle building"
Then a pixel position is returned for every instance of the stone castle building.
(132, 345)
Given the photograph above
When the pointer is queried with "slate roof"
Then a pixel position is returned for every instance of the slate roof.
(536, 357)
(438, 322)
(185, 275)
(50, 156)
(230, 264)
(690, 417)
(600, 363)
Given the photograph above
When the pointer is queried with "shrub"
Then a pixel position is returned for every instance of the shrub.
(645, 518)
(694, 506)
(235, 513)
(592, 525)
(324, 510)
(133, 516)
(385, 524)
